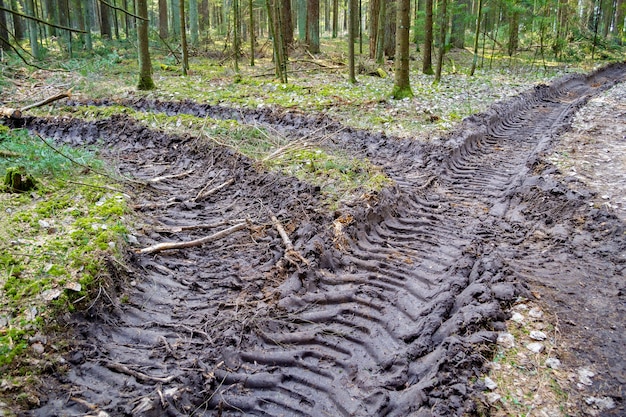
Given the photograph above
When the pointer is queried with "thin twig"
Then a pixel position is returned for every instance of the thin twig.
(118, 367)
(176, 229)
(197, 242)
(169, 177)
(204, 194)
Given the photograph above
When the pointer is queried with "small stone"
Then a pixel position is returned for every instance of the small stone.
(553, 363)
(535, 313)
(490, 383)
(43, 224)
(506, 340)
(602, 403)
(38, 348)
(538, 335)
(493, 397)
(585, 375)
(517, 318)
(535, 347)
(132, 239)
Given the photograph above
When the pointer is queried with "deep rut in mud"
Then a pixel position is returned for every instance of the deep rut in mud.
(402, 296)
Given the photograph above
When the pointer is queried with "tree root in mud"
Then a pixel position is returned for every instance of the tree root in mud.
(191, 243)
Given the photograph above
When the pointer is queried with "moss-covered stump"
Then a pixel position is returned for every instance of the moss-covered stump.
(17, 180)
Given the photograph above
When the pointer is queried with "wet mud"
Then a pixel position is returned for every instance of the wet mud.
(401, 296)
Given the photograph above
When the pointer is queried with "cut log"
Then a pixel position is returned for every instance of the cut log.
(10, 113)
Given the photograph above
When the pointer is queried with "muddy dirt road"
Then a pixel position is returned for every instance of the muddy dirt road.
(399, 298)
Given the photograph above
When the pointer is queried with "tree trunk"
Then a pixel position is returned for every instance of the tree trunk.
(183, 35)
(163, 22)
(287, 25)
(427, 61)
(145, 65)
(443, 28)
(373, 27)
(335, 18)
(619, 21)
(302, 20)
(476, 36)
(380, 35)
(64, 19)
(193, 22)
(351, 39)
(513, 43)
(88, 19)
(390, 28)
(32, 30)
(252, 33)
(4, 32)
(402, 87)
(175, 18)
(313, 26)
(18, 23)
(203, 11)
(105, 21)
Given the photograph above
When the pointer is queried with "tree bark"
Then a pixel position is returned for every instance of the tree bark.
(32, 30)
(427, 60)
(302, 20)
(183, 35)
(459, 23)
(402, 87)
(380, 34)
(351, 39)
(105, 21)
(163, 22)
(390, 28)
(145, 65)
(18, 23)
(373, 27)
(313, 26)
(4, 32)
(443, 28)
(335, 18)
(286, 23)
(193, 22)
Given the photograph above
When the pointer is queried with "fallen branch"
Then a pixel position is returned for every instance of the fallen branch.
(10, 113)
(176, 229)
(169, 177)
(291, 254)
(204, 194)
(49, 100)
(9, 154)
(197, 242)
(118, 367)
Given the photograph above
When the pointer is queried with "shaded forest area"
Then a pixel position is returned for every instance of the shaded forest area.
(44, 32)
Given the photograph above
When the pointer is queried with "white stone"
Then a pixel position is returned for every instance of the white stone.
(585, 375)
(603, 403)
(517, 318)
(490, 383)
(553, 363)
(535, 313)
(538, 335)
(506, 340)
(535, 347)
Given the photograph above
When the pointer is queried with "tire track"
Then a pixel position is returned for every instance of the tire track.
(388, 320)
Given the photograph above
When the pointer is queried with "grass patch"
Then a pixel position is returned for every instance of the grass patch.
(55, 242)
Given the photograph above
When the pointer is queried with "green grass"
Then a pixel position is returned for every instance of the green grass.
(55, 239)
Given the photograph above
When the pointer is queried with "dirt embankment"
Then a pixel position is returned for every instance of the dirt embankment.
(399, 299)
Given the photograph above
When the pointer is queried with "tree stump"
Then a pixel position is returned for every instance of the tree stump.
(17, 180)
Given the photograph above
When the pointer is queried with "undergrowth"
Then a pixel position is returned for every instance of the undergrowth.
(54, 243)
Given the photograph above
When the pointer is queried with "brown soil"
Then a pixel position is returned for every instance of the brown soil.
(399, 299)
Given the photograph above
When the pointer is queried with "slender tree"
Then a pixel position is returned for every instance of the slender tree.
(252, 31)
(105, 21)
(380, 35)
(18, 22)
(402, 86)
(373, 25)
(335, 17)
(145, 65)
(301, 20)
(236, 34)
(183, 35)
(351, 39)
(313, 26)
(479, 12)
(4, 31)
(427, 60)
(443, 28)
(163, 22)
(32, 31)
(193, 22)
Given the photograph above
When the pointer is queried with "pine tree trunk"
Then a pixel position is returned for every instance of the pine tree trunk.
(286, 22)
(105, 21)
(335, 18)
(18, 23)
(390, 28)
(302, 20)
(193, 22)
(380, 35)
(313, 26)
(443, 28)
(163, 22)
(32, 30)
(145, 65)
(427, 60)
(513, 43)
(461, 10)
(373, 27)
(88, 19)
(183, 35)
(351, 39)
(4, 32)
(402, 87)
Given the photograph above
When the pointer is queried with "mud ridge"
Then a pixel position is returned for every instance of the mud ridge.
(391, 317)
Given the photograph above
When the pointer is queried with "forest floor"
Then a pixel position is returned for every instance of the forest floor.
(480, 272)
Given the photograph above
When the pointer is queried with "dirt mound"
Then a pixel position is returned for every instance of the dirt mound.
(398, 299)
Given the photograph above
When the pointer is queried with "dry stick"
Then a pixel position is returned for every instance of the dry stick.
(169, 177)
(290, 251)
(204, 194)
(9, 154)
(175, 229)
(49, 100)
(114, 366)
(191, 243)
